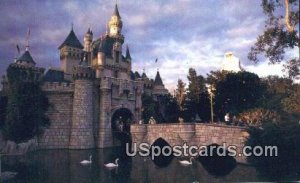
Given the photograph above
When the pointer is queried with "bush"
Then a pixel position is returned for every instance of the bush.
(286, 165)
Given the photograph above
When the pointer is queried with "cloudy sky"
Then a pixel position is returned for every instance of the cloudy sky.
(180, 33)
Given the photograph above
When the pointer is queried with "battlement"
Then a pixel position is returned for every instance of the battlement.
(58, 87)
(82, 72)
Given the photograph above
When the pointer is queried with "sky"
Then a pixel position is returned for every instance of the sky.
(180, 33)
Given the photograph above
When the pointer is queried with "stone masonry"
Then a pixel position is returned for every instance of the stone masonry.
(198, 134)
(82, 136)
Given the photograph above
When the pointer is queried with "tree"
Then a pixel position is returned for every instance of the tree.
(277, 89)
(26, 107)
(195, 88)
(170, 109)
(278, 37)
(286, 165)
(291, 103)
(148, 107)
(238, 92)
(180, 93)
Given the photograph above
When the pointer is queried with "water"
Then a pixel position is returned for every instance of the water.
(62, 166)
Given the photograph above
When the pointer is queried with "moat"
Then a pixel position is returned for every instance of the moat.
(62, 166)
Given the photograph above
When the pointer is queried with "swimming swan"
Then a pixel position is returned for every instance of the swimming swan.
(85, 162)
(112, 165)
(185, 162)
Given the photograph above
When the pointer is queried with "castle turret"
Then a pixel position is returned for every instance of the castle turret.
(128, 56)
(70, 54)
(115, 24)
(158, 87)
(27, 70)
(26, 59)
(82, 136)
(88, 39)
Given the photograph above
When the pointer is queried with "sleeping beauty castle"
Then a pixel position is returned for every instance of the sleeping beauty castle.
(92, 92)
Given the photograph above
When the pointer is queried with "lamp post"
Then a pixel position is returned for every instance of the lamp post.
(210, 90)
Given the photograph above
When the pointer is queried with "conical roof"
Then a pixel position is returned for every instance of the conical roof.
(128, 53)
(116, 11)
(71, 41)
(158, 80)
(26, 57)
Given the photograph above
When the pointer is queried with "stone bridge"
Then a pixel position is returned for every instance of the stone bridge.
(199, 134)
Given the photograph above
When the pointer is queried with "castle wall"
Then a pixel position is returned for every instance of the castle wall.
(60, 96)
(82, 133)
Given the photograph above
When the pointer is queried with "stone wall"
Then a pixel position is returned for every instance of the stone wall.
(60, 115)
(82, 132)
(198, 134)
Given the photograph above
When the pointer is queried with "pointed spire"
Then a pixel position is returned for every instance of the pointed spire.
(158, 80)
(71, 40)
(26, 57)
(116, 11)
(128, 53)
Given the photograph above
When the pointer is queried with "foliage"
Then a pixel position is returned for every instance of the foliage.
(238, 92)
(258, 116)
(286, 165)
(291, 103)
(180, 93)
(278, 37)
(281, 95)
(195, 97)
(148, 107)
(170, 109)
(164, 110)
(26, 107)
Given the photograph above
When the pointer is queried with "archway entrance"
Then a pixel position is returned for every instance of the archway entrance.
(121, 120)
(120, 125)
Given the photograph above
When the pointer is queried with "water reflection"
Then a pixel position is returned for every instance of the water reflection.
(62, 166)
(164, 159)
(218, 165)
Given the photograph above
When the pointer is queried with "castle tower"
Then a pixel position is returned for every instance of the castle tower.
(231, 63)
(158, 87)
(100, 61)
(70, 54)
(88, 39)
(27, 67)
(82, 136)
(115, 24)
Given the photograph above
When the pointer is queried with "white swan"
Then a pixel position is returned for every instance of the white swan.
(85, 162)
(112, 165)
(185, 162)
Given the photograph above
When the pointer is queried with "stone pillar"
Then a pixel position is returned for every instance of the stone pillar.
(82, 120)
(105, 138)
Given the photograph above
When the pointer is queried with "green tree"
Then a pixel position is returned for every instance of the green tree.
(195, 87)
(170, 109)
(148, 107)
(180, 93)
(291, 103)
(238, 92)
(26, 107)
(278, 37)
(286, 165)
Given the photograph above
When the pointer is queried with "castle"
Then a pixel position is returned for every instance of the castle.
(93, 93)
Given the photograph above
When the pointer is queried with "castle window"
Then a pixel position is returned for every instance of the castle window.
(117, 56)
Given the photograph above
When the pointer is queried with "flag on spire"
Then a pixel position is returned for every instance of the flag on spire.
(28, 34)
